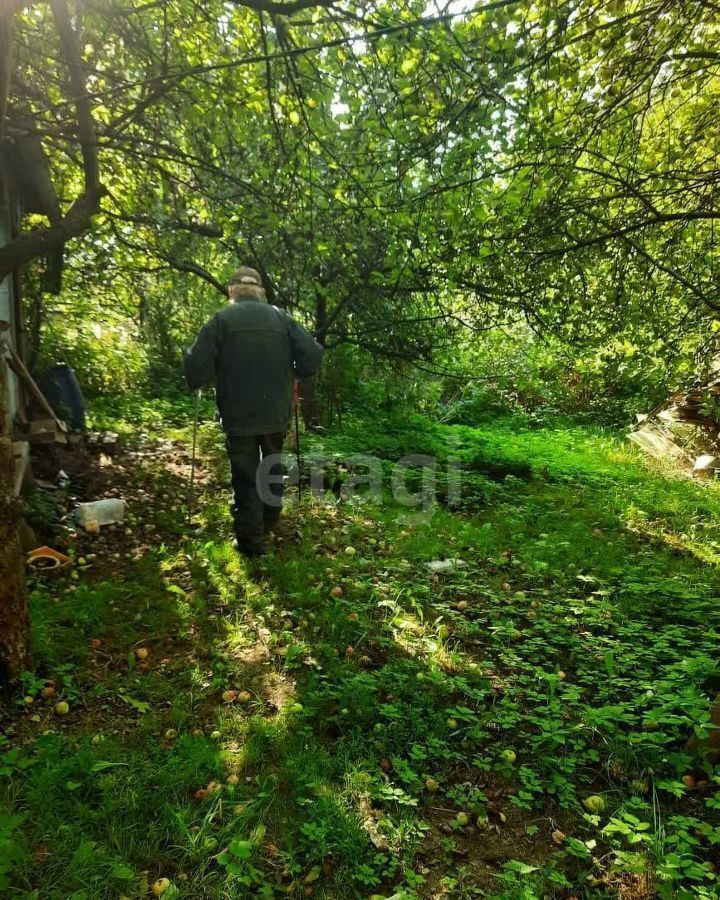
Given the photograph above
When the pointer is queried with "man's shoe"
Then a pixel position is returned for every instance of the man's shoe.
(249, 549)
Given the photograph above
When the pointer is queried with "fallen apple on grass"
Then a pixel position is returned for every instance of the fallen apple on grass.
(594, 803)
(62, 708)
(160, 886)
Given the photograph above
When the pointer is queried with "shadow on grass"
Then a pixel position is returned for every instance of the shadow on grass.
(357, 677)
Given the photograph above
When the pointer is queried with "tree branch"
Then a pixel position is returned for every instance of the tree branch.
(6, 57)
(629, 229)
(86, 125)
(194, 269)
(211, 231)
(46, 241)
(180, 265)
(283, 9)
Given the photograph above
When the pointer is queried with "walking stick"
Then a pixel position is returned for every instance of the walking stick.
(191, 497)
(297, 435)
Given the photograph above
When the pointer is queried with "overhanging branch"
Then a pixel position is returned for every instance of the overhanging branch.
(283, 9)
(192, 268)
(46, 241)
(86, 125)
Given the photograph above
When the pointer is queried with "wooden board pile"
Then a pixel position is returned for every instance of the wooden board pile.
(684, 428)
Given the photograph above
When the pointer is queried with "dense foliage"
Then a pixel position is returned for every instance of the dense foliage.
(340, 722)
(408, 180)
(499, 218)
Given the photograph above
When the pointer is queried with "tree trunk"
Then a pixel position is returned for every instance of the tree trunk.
(14, 619)
(307, 389)
(309, 406)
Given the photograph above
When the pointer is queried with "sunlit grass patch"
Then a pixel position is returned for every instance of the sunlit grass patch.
(366, 709)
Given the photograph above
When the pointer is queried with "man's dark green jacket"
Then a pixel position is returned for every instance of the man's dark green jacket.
(251, 351)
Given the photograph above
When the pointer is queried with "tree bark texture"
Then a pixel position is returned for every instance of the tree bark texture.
(14, 620)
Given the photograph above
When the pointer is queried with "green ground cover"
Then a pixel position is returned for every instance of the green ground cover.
(514, 728)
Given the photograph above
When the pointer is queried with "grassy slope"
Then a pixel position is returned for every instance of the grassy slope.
(572, 657)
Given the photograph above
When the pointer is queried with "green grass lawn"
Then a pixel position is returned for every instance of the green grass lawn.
(515, 728)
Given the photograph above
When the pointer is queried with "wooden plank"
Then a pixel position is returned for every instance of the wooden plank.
(45, 431)
(658, 444)
(18, 366)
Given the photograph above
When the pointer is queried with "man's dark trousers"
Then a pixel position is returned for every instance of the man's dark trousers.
(253, 518)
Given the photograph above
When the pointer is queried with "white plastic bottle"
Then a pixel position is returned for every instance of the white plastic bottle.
(101, 512)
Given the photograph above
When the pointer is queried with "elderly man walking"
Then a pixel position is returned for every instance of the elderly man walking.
(251, 351)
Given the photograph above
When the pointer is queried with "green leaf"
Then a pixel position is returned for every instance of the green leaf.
(140, 705)
(241, 849)
(122, 872)
(103, 765)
